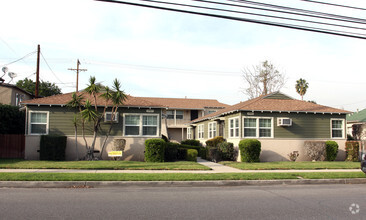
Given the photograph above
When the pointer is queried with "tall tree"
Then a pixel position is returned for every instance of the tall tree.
(301, 87)
(262, 80)
(45, 88)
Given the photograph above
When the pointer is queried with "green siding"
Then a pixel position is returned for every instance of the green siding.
(60, 120)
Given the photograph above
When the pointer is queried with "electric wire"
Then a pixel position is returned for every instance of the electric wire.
(50, 68)
(332, 4)
(284, 25)
(20, 58)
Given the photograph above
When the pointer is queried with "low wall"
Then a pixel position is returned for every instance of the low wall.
(278, 150)
(134, 149)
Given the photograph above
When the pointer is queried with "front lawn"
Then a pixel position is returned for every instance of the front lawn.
(100, 165)
(172, 176)
(288, 165)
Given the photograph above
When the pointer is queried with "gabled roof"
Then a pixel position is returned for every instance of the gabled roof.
(63, 99)
(359, 116)
(184, 103)
(274, 102)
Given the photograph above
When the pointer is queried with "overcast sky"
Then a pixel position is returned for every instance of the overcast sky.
(158, 53)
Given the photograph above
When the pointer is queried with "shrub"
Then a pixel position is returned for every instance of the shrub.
(201, 150)
(315, 150)
(182, 153)
(352, 148)
(331, 148)
(213, 154)
(214, 141)
(165, 138)
(226, 151)
(52, 147)
(171, 152)
(155, 150)
(12, 121)
(191, 142)
(191, 155)
(293, 155)
(250, 150)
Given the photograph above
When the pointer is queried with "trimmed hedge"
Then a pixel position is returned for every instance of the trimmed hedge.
(352, 148)
(171, 152)
(250, 150)
(182, 153)
(191, 155)
(331, 148)
(214, 141)
(201, 150)
(191, 142)
(155, 150)
(226, 151)
(12, 121)
(52, 147)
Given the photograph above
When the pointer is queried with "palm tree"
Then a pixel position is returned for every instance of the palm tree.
(301, 87)
(117, 96)
(76, 102)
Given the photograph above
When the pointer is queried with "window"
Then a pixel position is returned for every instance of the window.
(179, 114)
(18, 99)
(141, 125)
(201, 131)
(337, 128)
(108, 117)
(212, 130)
(258, 127)
(234, 127)
(189, 133)
(38, 123)
(170, 114)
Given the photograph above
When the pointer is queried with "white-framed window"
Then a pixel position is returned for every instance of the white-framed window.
(212, 130)
(189, 133)
(179, 114)
(234, 127)
(257, 127)
(141, 124)
(337, 128)
(108, 117)
(201, 131)
(38, 122)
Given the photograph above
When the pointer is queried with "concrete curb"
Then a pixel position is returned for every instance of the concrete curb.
(117, 184)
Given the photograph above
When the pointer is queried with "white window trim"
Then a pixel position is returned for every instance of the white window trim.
(201, 130)
(189, 133)
(141, 125)
(229, 120)
(116, 117)
(212, 127)
(343, 128)
(29, 122)
(257, 127)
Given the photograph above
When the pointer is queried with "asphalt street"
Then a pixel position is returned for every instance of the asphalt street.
(245, 202)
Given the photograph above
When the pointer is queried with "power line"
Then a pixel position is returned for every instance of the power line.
(50, 68)
(20, 58)
(332, 4)
(284, 25)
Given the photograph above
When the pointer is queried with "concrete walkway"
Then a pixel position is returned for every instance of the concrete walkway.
(215, 168)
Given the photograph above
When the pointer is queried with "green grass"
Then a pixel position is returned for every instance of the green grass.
(100, 165)
(171, 176)
(288, 165)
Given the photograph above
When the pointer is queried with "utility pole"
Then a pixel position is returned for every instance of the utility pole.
(37, 73)
(77, 74)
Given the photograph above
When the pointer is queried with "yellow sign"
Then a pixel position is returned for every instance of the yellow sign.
(115, 154)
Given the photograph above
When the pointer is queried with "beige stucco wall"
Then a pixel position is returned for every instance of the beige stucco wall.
(5, 95)
(134, 149)
(278, 149)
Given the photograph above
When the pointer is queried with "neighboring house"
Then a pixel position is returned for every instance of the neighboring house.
(279, 122)
(137, 120)
(179, 112)
(358, 118)
(13, 95)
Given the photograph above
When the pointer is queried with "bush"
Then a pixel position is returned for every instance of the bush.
(182, 153)
(171, 152)
(213, 154)
(226, 151)
(201, 150)
(155, 150)
(352, 148)
(191, 155)
(52, 147)
(165, 138)
(214, 141)
(315, 150)
(250, 150)
(12, 121)
(331, 148)
(191, 142)
(293, 155)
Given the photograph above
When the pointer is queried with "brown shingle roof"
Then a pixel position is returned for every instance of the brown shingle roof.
(267, 103)
(63, 99)
(184, 103)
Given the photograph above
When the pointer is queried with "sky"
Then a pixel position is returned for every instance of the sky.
(157, 53)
